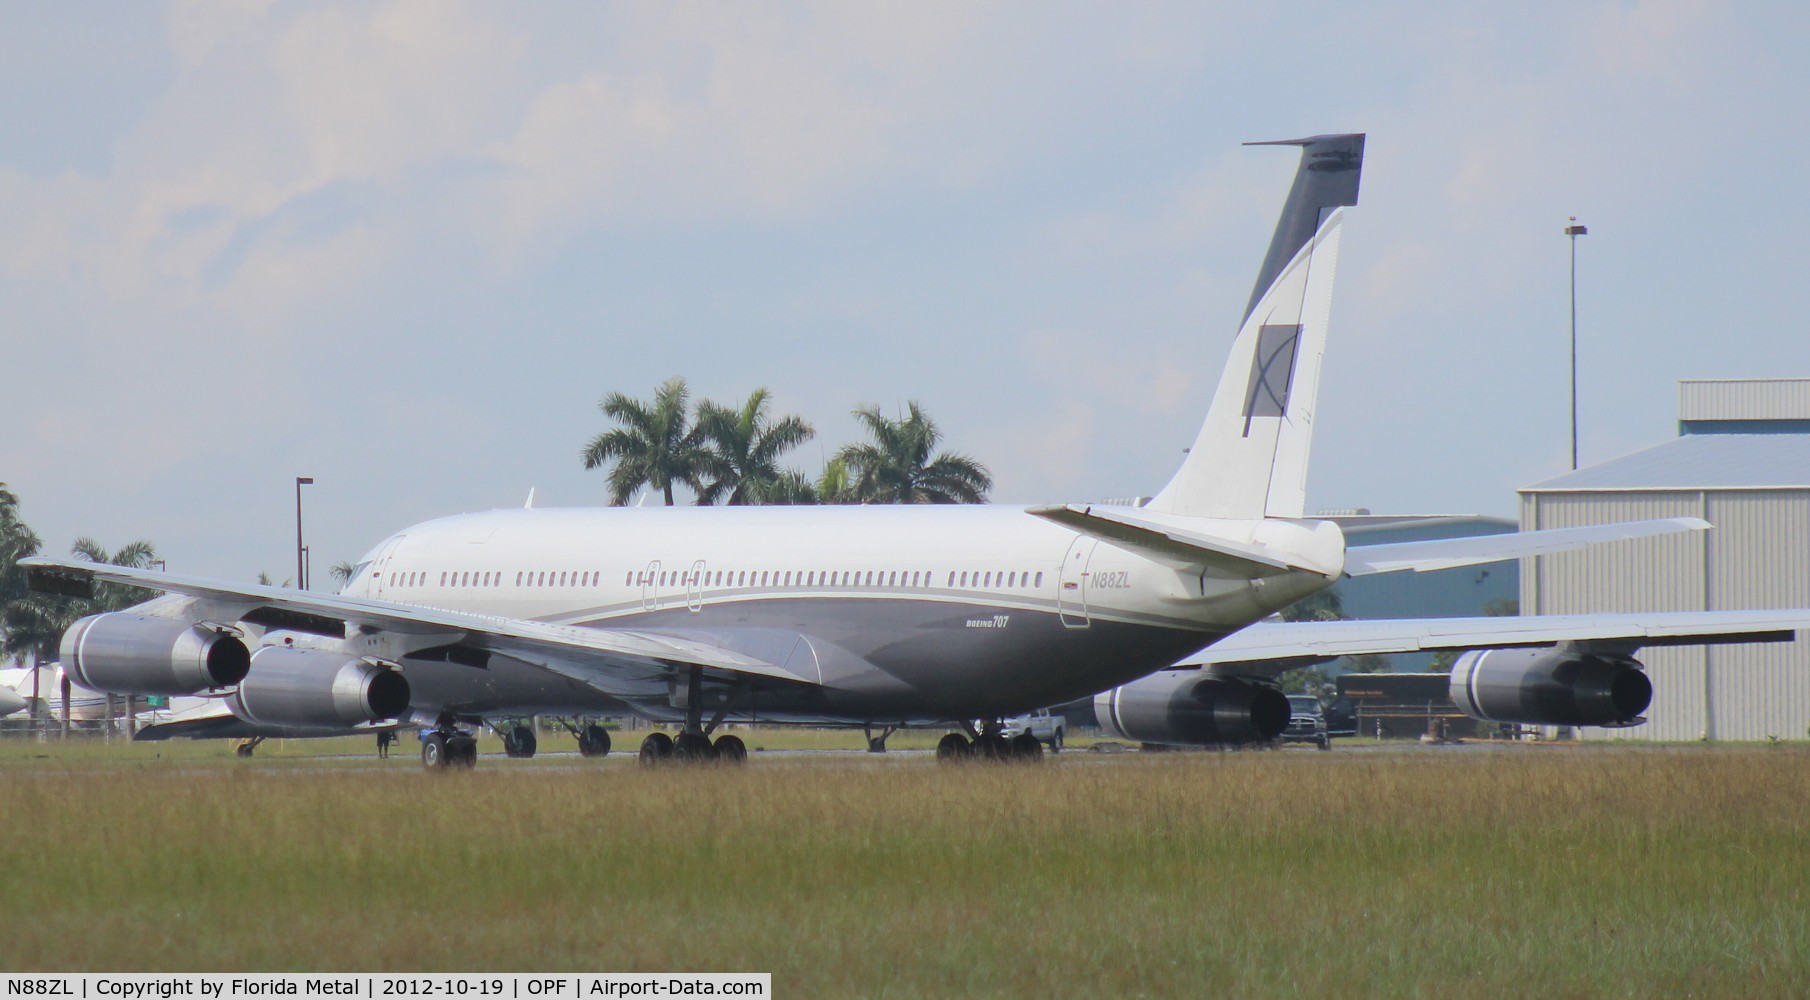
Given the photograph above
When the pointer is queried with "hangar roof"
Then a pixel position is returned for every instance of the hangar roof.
(1697, 462)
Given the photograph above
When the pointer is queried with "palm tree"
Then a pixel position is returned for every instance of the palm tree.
(834, 486)
(789, 489)
(655, 444)
(747, 446)
(900, 465)
(16, 542)
(35, 624)
(342, 572)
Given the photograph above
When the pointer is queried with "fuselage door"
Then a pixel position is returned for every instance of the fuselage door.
(380, 569)
(650, 586)
(1071, 583)
(694, 587)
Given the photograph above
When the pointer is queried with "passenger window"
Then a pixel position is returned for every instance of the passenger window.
(964, 578)
(914, 579)
(808, 577)
(763, 578)
(788, 582)
(1040, 579)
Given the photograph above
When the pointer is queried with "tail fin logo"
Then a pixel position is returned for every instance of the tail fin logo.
(1272, 372)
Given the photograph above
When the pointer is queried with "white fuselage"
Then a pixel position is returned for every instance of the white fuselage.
(910, 612)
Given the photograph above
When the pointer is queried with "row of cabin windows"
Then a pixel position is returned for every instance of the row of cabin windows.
(828, 578)
(1007, 579)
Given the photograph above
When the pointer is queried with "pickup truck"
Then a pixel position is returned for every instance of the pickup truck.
(1306, 722)
(1047, 727)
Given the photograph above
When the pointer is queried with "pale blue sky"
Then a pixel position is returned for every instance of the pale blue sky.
(405, 247)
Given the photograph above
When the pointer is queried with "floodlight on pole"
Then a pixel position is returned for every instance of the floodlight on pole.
(1574, 230)
(301, 580)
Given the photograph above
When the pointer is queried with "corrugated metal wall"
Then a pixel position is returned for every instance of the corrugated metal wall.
(1745, 399)
(1757, 556)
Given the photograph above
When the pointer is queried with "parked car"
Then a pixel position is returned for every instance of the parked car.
(1307, 722)
(1047, 727)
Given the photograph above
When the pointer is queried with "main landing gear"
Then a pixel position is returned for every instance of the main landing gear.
(519, 742)
(444, 748)
(693, 745)
(245, 747)
(988, 744)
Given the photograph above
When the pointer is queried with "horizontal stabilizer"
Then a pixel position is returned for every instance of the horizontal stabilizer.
(1447, 553)
(1182, 542)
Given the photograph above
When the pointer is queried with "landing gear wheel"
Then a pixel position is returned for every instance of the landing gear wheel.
(434, 751)
(993, 746)
(462, 751)
(693, 748)
(731, 749)
(953, 748)
(520, 742)
(656, 749)
(876, 744)
(242, 751)
(1026, 747)
(594, 741)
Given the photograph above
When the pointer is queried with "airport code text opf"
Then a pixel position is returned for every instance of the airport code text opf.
(214, 986)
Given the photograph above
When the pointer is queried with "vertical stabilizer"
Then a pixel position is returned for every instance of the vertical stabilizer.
(1250, 459)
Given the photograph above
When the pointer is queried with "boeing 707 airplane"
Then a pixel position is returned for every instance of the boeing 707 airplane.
(873, 616)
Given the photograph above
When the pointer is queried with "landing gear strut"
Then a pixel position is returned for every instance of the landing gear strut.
(693, 744)
(877, 744)
(246, 746)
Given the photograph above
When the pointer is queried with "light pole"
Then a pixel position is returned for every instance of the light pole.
(300, 481)
(1574, 231)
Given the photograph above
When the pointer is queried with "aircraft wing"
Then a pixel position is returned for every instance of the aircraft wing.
(1447, 553)
(1323, 640)
(596, 656)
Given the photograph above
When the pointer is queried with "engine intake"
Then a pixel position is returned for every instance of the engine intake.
(314, 690)
(125, 653)
(1187, 707)
(1550, 687)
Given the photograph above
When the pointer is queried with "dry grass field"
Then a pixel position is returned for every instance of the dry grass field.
(1524, 871)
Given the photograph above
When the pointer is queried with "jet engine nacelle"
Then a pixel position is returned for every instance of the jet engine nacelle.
(1550, 687)
(1191, 708)
(307, 689)
(124, 653)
